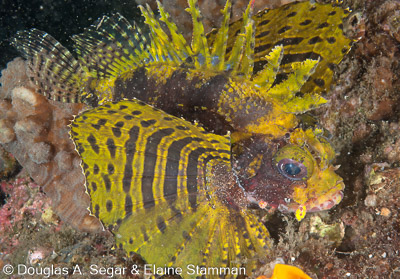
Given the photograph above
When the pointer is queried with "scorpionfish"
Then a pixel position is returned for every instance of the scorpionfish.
(183, 144)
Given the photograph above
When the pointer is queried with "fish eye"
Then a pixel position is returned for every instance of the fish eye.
(292, 169)
(294, 163)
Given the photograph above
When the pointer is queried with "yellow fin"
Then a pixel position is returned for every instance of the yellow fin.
(221, 39)
(239, 47)
(111, 47)
(162, 49)
(159, 183)
(287, 89)
(266, 77)
(200, 48)
(247, 60)
(181, 46)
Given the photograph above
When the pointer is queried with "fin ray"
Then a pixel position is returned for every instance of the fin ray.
(53, 69)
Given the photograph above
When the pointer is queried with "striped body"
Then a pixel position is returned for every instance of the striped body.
(148, 156)
(157, 180)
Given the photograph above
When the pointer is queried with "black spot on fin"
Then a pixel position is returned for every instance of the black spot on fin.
(53, 69)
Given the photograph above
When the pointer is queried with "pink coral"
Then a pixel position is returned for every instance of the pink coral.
(35, 130)
(24, 199)
(19, 192)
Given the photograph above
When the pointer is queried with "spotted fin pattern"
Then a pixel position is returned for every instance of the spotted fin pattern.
(156, 181)
(52, 68)
(112, 52)
(306, 30)
(112, 48)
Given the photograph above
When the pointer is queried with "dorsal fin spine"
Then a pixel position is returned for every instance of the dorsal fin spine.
(266, 77)
(247, 59)
(238, 47)
(221, 40)
(161, 47)
(183, 49)
(200, 48)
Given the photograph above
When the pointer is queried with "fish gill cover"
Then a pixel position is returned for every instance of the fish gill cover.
(180, 139)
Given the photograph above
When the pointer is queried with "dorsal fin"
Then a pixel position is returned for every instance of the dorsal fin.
(200, 48)
(51, 67)
(306, 30)
(221, 40)
(111, 47)
(241, 58)
(162, 48)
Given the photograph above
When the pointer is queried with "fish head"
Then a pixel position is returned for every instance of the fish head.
(292, 174)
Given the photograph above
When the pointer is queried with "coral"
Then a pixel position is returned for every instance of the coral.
(24, 199)
(11, 78)
(376, 249)
(391, 145)
(35, 131)
(368, 83)
(29, 238)
(334, 232)
(8, 164)
(210, 10)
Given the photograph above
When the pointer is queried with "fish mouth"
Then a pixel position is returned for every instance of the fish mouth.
(326, 205)
(322, 202)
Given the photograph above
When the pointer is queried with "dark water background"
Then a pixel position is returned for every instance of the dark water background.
(59, 18)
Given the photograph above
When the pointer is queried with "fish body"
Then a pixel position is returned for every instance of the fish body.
(180, 140)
